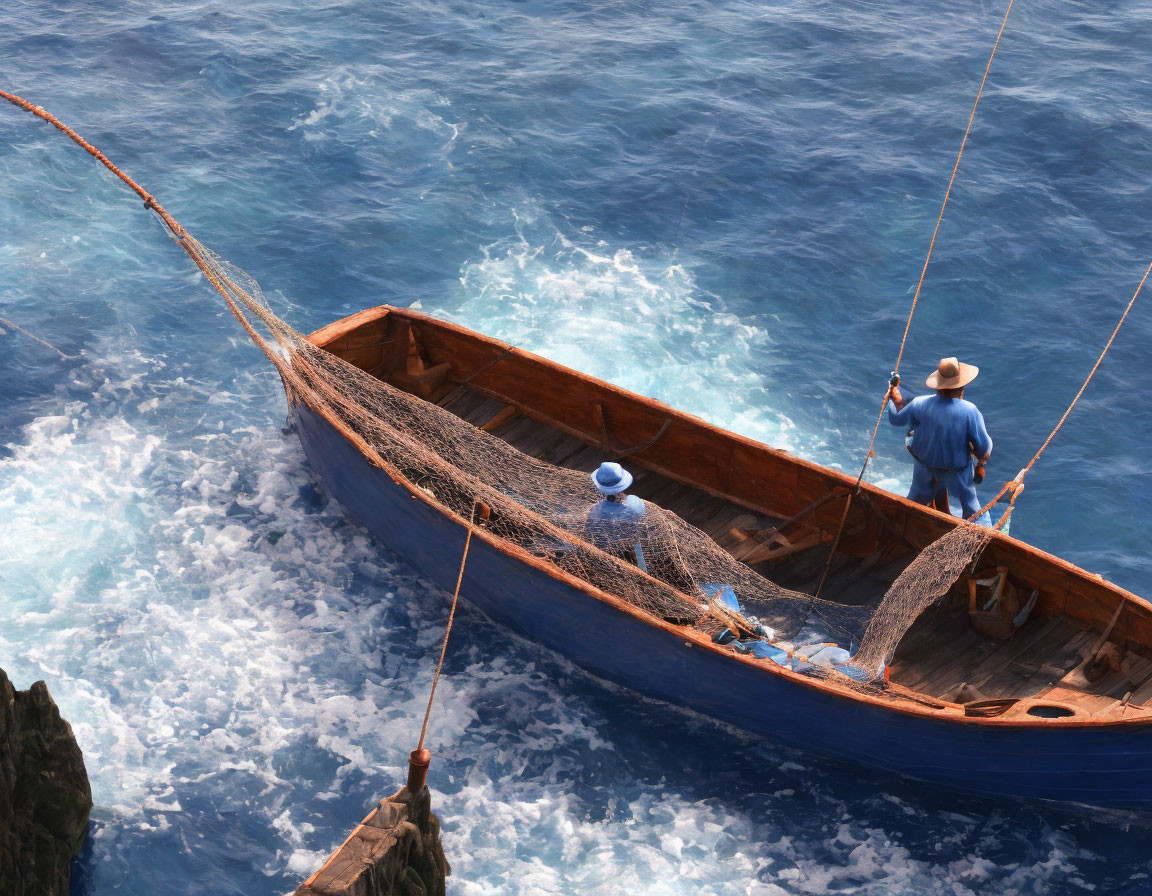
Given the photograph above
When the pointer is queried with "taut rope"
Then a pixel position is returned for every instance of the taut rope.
(451, 617)
(149, 201)
(1015, 486)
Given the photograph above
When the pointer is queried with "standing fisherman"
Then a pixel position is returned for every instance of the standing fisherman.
(948, 439)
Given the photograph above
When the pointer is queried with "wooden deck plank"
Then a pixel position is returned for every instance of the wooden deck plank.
(1054, 657)
(565, 446)
(1143, 693)
(554, 442)
(972, 649)
(586, 459)
(994, 672)
(461, 400)
(945, 657)
(863, 582)
(518, 430)
(939, 624)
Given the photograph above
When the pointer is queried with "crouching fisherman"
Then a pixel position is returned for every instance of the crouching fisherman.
(615, 524)
(949, 443)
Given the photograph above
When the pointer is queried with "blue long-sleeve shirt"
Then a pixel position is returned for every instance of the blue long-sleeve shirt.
(944, 428)
(615, 522)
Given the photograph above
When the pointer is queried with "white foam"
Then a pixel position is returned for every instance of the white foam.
(351, 104)
(630, 315)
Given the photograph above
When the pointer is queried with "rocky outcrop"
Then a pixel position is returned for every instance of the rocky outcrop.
(44, 793)
(395, 851)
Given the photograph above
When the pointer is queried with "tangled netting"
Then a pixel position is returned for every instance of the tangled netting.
(544, 510)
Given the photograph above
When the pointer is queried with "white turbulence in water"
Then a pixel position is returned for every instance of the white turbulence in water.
(635, 317)
(627, 315)
(191, 612)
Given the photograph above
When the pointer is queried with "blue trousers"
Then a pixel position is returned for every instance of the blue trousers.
(928, 483)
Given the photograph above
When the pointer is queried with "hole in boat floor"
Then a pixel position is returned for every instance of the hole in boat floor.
(1046, 711)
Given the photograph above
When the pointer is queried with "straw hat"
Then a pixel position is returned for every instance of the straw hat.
(611, 478)
(951, 374)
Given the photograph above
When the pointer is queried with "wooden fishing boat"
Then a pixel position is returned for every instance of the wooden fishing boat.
(982, 695)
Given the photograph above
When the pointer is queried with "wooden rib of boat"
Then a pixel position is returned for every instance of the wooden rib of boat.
(977, 700)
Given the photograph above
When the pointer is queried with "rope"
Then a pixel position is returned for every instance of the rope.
(149, 201)
(912, 311)
(44, 342)
(948, 192)
(185, 241)
(1016, 486)
(451, 618)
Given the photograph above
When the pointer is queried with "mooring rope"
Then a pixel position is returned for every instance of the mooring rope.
(451, 618)
(912, 311)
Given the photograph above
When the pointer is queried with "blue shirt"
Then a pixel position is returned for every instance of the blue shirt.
(614, 522)
(944, 427)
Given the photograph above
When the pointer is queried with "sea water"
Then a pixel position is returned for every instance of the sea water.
(725, 205)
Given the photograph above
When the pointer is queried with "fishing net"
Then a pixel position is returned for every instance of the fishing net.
(687, 578)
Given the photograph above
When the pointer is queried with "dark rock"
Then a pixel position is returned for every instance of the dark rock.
(45, 797)
(395, 851)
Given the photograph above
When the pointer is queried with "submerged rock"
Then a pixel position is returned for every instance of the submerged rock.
(45, 797)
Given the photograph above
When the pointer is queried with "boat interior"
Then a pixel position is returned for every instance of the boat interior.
(1024, 635)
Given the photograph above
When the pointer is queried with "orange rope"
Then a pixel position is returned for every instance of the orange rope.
(915, 300)
(448, 630)
(149, 202)
(177, 231)
(1015, 486)
(948, 192)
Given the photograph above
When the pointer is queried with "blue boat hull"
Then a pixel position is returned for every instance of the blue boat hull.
(1096, 764)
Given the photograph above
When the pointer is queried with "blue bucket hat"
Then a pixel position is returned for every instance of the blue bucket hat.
(611, 478)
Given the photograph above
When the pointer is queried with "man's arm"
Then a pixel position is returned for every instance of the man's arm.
(978, 436)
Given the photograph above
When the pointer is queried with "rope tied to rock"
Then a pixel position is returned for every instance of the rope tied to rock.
(419, 759)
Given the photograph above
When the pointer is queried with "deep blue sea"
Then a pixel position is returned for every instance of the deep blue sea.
(722, 204)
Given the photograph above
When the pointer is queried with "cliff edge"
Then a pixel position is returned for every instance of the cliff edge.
(45, 797)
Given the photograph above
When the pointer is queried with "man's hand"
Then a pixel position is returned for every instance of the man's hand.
(894, 391)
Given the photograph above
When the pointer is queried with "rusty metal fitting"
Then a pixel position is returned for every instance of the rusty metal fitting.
(418, 762)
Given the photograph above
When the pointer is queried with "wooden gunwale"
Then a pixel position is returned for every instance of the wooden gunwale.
(930, 523)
